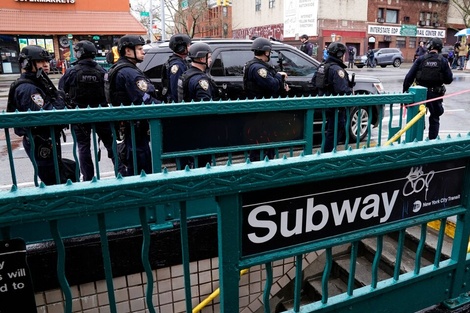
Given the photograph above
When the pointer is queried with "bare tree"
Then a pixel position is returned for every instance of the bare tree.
(186, 14)
(463, 6)
(145, 20)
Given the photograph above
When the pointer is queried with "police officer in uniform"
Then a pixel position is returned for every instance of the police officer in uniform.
(332, 79)
(175, 66)
(307, 46)
(125, 84)
(260, 78)
(195, 84)
(432, 71)
(29, 92)
(83, 85)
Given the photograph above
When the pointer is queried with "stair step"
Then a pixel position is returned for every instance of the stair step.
(389, 253)
(414, 233)
(363, 275)
(335, 287)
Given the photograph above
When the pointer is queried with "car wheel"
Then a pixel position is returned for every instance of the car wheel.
(383, 66)
(356, 116)
(396, 63)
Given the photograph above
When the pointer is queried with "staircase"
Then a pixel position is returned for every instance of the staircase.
(366, 249)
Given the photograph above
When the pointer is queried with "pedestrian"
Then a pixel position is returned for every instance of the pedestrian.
(332, 79)
(113, 55)
(126, 84)
(462, 54)
(30, 92)
(260, 79)
(325, 53)
(83, 85)
(455, 63)
(175, 66)
(306, 47)
(350, 57)
(432, 71)
(421, 50)
(370, 58)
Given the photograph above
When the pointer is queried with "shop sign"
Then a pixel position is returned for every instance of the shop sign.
(408, 30)
(405, 30)
(282, 217)
(49, 1)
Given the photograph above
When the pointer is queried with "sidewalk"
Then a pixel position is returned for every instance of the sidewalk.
(7, 79)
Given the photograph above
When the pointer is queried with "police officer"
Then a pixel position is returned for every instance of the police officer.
(125, 84)
(175, 66)
(260, 78)
(83, 85)
(432, 71)
(30, 92)
(195, 84)
(332, 79)
(306, 47)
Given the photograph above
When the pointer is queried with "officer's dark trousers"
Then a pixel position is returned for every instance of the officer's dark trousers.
(142, 148)
(83, 133)
(435, 111)
(44, 161)
(330, 128)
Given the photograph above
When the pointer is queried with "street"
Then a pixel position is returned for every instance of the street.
(453, 122)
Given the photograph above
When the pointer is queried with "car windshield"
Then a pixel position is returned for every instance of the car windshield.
(292, 64)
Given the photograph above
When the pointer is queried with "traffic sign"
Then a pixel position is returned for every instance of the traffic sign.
(145, 14)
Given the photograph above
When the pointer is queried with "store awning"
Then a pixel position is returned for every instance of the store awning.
(24, 22)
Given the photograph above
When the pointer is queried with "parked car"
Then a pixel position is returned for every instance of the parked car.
(382, 57)
(229, 57)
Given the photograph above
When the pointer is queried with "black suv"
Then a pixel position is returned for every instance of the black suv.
(229, 57)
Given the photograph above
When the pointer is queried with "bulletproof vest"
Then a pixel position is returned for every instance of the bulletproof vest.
(429, 73)
(252, 89)
(12, 106)
(183, 82)
(321, 78)
(112, 96)
(89, 87)
(165, 78)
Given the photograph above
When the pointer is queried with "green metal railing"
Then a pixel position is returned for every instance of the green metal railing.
(25, 210)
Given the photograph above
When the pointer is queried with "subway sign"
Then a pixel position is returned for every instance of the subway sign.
(284, 217)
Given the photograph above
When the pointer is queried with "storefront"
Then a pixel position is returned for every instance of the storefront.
(57, 24)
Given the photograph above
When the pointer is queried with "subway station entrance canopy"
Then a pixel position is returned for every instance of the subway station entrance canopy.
(68, 22)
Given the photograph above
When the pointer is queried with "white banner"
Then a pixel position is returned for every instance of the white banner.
(300, 17)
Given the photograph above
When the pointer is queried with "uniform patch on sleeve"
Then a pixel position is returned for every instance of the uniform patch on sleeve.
(37, 99)
(174, 69)
(204, 84)
(341, 73)
(262, 72)
(142, 84)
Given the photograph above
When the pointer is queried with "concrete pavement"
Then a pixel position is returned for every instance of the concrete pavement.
(7, 79)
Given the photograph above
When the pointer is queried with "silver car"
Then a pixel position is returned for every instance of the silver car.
(382, 57)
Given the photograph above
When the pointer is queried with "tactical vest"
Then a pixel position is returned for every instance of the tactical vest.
(251, 88)
(114, 97)
(89, 87)
(166, 78)
(321, 78)
(429, 73)
(12, 106)
(183, 83)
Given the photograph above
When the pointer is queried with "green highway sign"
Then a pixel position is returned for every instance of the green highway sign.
(146, 14)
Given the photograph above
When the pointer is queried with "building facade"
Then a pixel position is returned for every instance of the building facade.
(57, 24)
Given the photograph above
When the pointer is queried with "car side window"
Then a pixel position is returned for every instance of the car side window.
(292, 64)
(230, 62)
(156, 71)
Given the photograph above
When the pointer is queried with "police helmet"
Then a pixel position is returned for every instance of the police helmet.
(129, 41)
(179, 43)
(261, 44)
(85, 49)
(33, 53)
(304, 36)
(434, 44)
(199, 50)
(336, 49)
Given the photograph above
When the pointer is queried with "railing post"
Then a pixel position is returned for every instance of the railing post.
(229, 232)
(417, 130)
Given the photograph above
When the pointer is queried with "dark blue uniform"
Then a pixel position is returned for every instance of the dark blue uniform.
(68, 83)
(260, 79)
(195, 85)
(175, 67)
(128, 84)
(333, 81)
(33, 96)
(432, 71)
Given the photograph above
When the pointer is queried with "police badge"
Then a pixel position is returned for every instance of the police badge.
(341, 73)
(204, 84)
(142, 85)
(37, 99)
(174, 69)
(262, 72)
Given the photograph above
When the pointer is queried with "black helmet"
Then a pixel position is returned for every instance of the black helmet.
(179, 43)
(199, 50)
(304, 36)
(336, 49)
(261, 44)
(129, 41)
(33, 53)
(434, 44)
(85, 49)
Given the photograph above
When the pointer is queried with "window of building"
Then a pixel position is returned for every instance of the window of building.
(428, 19)
(401, 42)
(257, 5)
(271, 4)
(412, 43)
(387, 16)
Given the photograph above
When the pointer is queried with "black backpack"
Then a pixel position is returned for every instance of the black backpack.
(11, 103)
(89, 87)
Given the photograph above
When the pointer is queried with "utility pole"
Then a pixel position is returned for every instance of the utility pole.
(151, 22)
(162, 18)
